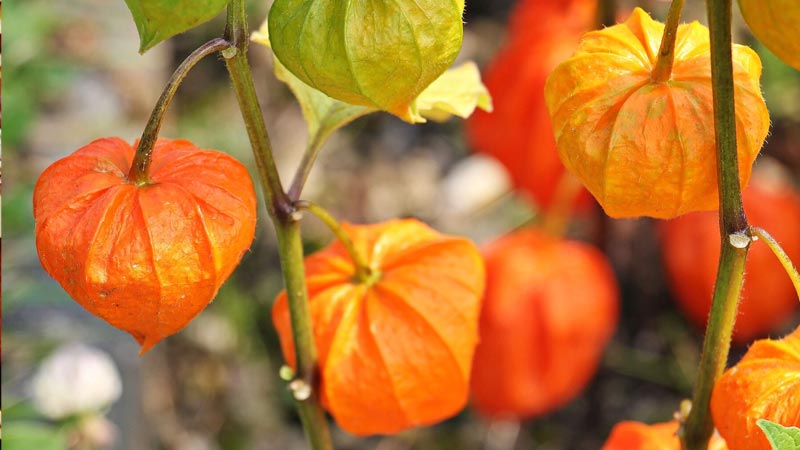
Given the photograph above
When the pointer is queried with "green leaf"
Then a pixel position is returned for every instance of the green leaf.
(158, 20)
(323, 114)
(380, 54)
(781, 438)
(457, 92)
(21, 435)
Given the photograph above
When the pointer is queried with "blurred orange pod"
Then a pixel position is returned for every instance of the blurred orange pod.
(690, 247)
(775, 24)
(518, 132)
(645, 147)
(765, 384)
(631, 435)
(145, 258)
(550, 308)
(394, 351)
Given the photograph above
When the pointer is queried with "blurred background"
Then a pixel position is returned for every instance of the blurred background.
(72, 74)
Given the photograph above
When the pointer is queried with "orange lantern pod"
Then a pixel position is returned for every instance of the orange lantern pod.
(765, 384)
(631, 435)
(644, 147)
(690, 246)
(146, 259)
(518, 132)
(550, 308)
(394, 352)
(774, 23)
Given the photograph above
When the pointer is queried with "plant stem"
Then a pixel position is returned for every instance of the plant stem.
(779, 253)
(139, 173)
(239, 70)
(290, 249)
(304, 169)
(606, 14)
(363, 272)
(699, 425)
(290, 245)
(666, 54)
(733, 224)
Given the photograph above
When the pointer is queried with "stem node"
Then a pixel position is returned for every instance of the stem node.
(301, 391)
(739, 239)
(230, 52)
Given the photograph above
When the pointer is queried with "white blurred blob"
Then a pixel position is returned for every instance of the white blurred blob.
(75, 379)
(473, 183)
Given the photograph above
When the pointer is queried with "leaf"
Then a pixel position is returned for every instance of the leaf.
(323, 114)
(781, 438)
(380, 53)
(158, 20)
(24, 435)
(457, 92)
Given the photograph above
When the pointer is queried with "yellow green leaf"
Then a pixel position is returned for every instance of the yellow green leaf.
(780, 437)
(457, 92)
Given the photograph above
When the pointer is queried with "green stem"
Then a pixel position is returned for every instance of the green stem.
(239, 70)
(779, 253)
(304, 169)
(666, 54)
(290, 249)
(363, 272)
(139, 173)
(305, 387)
(716, 345)
(733, 227)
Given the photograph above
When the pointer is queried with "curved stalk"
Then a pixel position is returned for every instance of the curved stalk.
(666, 53)
(733, 224)
(779, 253)
(139, 173)
(304, 169)
(363, 272)
(305, 386)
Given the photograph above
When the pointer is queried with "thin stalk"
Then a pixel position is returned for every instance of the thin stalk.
(606, 14)
(733, 226)
(304, 169)
(290, 246)
(666, 54)
(363, 272)
(732, 215)
(139, 173)
(779, 253)
(278, 203)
